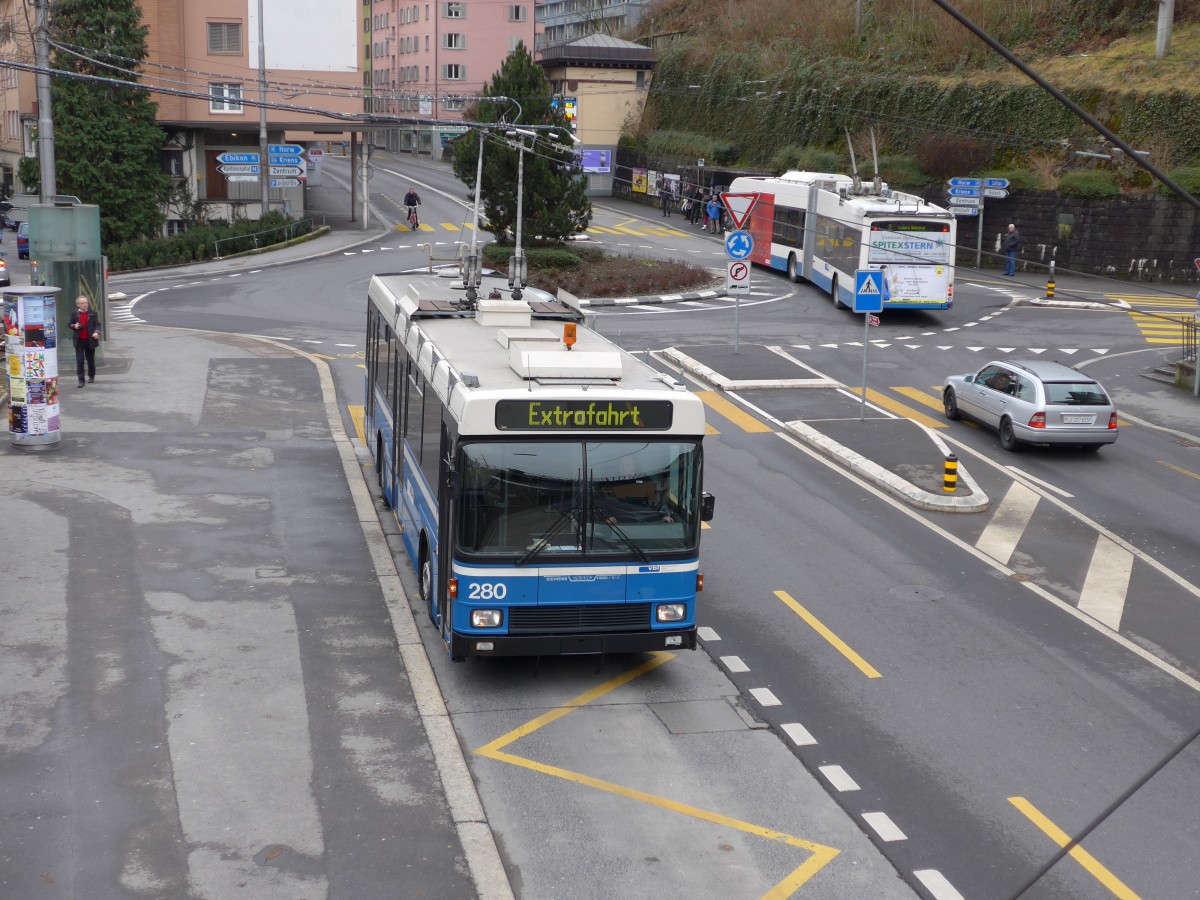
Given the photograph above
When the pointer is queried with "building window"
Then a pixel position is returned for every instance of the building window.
(176, 226)
(224, 37)
(225, 98)
(517, 13)
(454, 10)
(641, 79)
(513, 40)
(454, 72)
(454, 105)
(454, 41)
(172, 162)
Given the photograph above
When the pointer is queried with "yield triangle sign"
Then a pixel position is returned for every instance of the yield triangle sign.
(739, 207)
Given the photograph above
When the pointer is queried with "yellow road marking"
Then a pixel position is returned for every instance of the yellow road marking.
(819, 627)
(362, 365)
(820, 853)
(1163, 297)
(323, 356)
(356, 416)
(629, 231)
(734, 414)
(1081, 856)
(1176, 468)
(921, 396)
(450, 226)
(708, 429)
(603, 230)
(899, 408)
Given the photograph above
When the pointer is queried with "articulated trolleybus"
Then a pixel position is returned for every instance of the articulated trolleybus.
(548, 484)
(821, 228)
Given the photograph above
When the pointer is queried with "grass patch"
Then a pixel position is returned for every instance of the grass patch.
(602, 274)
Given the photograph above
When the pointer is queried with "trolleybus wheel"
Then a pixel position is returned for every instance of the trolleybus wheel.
(425, 583)
(837, 300)
(793, 270)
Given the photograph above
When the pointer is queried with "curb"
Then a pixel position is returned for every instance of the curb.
(661, 298)
(1118, 305)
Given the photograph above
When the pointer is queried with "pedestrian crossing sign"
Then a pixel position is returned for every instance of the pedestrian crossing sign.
(868, 291)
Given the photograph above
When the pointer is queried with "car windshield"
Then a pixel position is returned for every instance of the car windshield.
(1075, 393)
(526, 501)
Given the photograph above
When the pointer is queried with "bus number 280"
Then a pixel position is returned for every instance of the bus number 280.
(486, 590)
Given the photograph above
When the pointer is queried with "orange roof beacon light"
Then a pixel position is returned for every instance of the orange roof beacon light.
(569, 334)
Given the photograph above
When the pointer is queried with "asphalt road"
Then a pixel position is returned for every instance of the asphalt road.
(934, 673)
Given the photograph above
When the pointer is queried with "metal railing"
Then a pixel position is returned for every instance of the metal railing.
(1188, 338)
(281, 234)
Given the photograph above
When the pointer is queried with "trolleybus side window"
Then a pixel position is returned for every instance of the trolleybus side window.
(431, 433)
(789, 227)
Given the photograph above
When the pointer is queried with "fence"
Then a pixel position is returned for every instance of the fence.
(256, 240)
(1188, 339)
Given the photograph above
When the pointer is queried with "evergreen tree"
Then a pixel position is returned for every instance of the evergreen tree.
(555, 203)
(107, 143)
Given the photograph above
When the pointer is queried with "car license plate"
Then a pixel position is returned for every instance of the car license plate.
(1079, 420)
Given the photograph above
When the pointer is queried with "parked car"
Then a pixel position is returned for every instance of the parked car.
(23, 240)
(1035, 402)
(5, 278)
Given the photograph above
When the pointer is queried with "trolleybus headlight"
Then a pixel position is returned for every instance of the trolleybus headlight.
(671, 612)
(486, 618)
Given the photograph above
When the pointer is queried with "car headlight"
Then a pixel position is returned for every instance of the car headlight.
(487, 618)
(671, 612)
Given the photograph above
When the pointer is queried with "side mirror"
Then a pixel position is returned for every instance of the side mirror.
(970, 379)
(708, 507)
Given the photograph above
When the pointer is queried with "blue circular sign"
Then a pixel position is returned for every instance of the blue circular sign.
(739, 244)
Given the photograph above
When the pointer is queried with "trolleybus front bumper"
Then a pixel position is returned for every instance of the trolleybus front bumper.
(463, 645)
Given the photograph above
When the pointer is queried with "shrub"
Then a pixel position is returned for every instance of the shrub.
(806, 159)
(497, 255)
(947, 156)
(1187, 177)
(1092, 184)
(901, 171)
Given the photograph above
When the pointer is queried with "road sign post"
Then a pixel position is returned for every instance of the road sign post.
(868, 298)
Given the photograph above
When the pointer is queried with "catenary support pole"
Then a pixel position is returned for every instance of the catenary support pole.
(46, 172)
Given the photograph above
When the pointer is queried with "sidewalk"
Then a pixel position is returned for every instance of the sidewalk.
(198, 696)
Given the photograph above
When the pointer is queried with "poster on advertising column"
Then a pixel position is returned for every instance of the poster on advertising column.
(31, 343)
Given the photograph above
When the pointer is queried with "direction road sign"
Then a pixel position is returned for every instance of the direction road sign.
(737, 277)
(239, 169)
(739, 207)
(964, 182)
(964, 192)
(739, 244)
(965, 210)
(995, 182)
(241, 178)
(292, 149)
(237, 157)
(286, 170)
(285, 182)
(998, 193)
(868, 291)
(278, 159)
(965, 201)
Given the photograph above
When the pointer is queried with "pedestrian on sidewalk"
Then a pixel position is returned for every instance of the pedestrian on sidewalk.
(1011, 243)
(714, 214)
(85, 331)
(665, 195)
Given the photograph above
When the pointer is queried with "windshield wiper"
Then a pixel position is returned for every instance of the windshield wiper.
(598, 507)
(554, 529)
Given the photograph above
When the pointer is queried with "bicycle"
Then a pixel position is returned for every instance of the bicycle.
(413, 221)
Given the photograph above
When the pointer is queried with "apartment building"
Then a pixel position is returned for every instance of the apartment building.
(18, 100)
(564, 21)
(313, 64)
(428, 59)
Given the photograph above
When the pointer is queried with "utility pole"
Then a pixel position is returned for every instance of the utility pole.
(41, 48)
(264, 157)
(1166, 18)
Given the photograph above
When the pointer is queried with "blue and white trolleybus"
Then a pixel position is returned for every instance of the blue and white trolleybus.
(547, 483)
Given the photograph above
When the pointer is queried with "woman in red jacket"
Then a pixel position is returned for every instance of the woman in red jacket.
(85, 327)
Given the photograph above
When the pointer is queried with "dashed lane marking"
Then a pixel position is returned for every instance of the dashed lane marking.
(937, 884)
(1003, 532)
(883, 826)
(1107, 583)
(819, 854)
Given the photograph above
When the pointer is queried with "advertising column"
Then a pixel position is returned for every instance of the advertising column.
(31, 342)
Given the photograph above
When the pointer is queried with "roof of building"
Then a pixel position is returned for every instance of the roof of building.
(598, 49)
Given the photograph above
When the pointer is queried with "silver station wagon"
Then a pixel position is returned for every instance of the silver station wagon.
(1034, 402)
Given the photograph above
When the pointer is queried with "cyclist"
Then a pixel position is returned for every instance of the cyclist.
(412, 200)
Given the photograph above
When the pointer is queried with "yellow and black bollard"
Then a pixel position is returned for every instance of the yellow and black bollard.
(1050, 284)
(950, 479)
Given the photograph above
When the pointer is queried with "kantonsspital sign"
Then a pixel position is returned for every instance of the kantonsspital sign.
(238, 169)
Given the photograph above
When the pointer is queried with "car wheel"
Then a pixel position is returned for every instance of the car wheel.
(837, 301)
(950, 402)
(1008, 438)
(793, 270)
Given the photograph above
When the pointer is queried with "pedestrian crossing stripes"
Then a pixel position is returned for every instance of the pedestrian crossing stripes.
(1162, 328)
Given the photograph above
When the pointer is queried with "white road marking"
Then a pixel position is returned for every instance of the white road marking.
(1025, 476)
(734, 664)
(884, 826)
(799, 735)
(765, 697)
(937, 885)
(1000, 537)
(839, 778)
(707, 634)
(1107, 583)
